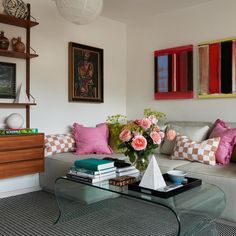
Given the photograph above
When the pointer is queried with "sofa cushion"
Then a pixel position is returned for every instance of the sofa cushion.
(223, 177)
(196, 133)
(59, 143)
(218, 170)
(91, 140)
(58, 165)
(71, 157)
(166, 163)
(204, 152)
(227, 142)
(114, 140)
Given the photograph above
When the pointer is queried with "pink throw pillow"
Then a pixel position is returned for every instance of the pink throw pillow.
(91, 140)
(227, 141)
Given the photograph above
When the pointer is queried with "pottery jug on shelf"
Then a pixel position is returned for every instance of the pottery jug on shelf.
(4, 42)
(17, 45)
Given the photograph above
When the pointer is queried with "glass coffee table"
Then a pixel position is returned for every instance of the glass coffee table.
(189, 213)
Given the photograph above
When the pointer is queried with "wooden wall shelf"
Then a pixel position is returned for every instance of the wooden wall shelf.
(27, 24)
(17, 22)
(7, 53)
(17, 104)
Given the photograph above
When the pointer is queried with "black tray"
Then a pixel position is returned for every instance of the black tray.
(192, 183)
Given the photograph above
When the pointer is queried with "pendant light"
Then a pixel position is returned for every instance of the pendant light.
(79, 11)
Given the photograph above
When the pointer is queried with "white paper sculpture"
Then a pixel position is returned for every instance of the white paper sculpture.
(152, 177)
(21, 96)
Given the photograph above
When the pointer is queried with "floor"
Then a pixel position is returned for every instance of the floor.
(35, 214)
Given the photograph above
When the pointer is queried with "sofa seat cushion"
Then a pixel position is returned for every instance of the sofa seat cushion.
(166, 163)
(223, 177)
(228, 171)
(58, 165)
(196, 133)
(70, 157)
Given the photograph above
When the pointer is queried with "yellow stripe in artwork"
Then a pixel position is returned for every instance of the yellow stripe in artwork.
(217, 41)
(222, 95)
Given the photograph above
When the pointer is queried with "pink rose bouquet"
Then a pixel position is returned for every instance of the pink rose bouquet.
(141, 137)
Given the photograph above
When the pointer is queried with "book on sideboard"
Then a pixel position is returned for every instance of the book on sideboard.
(18, 131)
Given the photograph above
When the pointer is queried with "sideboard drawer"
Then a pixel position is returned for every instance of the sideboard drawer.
(14, 142)
(12, 169)
(21, 155)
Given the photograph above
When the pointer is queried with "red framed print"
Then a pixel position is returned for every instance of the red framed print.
(174, 73)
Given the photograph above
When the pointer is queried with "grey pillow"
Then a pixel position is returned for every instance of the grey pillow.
(193, 132)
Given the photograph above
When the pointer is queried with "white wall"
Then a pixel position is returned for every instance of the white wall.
(49, 74)
(210, 21)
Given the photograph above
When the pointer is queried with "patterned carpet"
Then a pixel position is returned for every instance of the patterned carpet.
(35, 214)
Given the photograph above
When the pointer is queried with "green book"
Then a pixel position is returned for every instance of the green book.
(18, 131)
(94, 164)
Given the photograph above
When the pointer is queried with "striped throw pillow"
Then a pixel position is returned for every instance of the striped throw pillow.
(59, 143)
(187, 149)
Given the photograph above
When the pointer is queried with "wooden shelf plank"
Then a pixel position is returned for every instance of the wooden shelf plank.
(21, 55)
(17, 104)
(17, 22)
(217, 41)
(209, 96)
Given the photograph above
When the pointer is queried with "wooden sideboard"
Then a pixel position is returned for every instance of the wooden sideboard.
(21, 154)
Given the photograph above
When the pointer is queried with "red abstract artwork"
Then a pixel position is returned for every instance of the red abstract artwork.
(174, 73)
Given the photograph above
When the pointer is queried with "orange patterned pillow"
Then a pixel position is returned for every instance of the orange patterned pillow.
(187, 149)
(59, 143)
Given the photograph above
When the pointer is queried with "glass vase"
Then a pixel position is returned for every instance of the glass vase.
(141, 163)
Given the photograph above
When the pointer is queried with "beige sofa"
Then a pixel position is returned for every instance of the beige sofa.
(222, 176)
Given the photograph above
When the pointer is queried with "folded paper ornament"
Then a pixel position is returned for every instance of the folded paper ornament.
(152, 177)
(21, 96)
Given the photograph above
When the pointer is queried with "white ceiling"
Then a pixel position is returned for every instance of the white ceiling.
(128, 10)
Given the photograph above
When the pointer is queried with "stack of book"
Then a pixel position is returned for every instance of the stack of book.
(92, 170)
(127, 171)
(18, 131)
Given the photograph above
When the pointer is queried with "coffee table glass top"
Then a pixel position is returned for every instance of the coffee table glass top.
(207, 201)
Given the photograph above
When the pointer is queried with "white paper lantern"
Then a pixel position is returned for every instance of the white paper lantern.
(79, 11)
(15, 121)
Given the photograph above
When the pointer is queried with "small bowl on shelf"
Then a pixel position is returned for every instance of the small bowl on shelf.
(176, 176)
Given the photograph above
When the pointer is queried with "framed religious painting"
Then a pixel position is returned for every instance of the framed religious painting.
(7, 80)
(85, 73)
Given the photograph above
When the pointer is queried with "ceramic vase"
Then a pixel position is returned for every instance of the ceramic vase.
(4, 42)
(17, 45)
